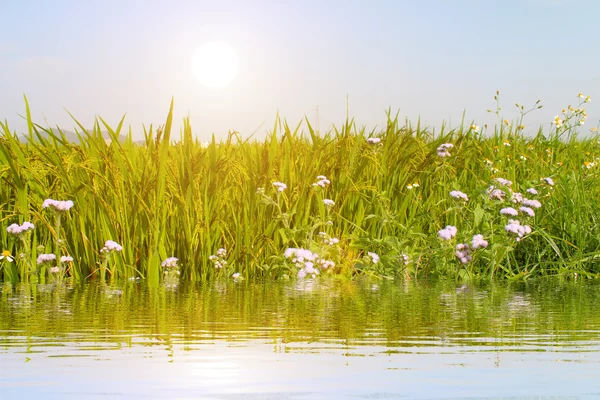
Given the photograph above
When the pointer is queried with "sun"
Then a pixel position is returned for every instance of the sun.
(215, 64)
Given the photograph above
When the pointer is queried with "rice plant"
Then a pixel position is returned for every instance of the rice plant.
(405, 202)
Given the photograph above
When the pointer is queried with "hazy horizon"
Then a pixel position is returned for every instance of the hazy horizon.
(430, 59)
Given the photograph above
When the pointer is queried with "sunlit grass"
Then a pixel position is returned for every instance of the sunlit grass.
(388, 193)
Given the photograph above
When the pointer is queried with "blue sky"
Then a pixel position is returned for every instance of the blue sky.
(433, 59)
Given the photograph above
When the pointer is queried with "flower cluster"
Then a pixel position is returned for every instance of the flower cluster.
(504, 182)
(307, 262)
(495, 193)
(329, 202)
(219, 259)
(373, 140)
(405, 259)
(66, 259)
(457, 194)
(57, 205)
(46, 258)
(463, 252)
(448, 232)
(328, 239)
(514, 226)
(479, 242)
(17, 229)
(170, 266)
(110, 247)
(280, 186)
(509, 211)
(322, 181)
(442, 150)
(374, 257)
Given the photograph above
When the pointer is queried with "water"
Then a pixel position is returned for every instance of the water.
(308, 340)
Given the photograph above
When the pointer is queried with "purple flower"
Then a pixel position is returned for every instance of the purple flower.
(509, 211)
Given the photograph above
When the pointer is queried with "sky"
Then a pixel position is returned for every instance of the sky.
(425, 59)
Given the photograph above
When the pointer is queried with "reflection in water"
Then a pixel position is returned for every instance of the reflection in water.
(303, 339)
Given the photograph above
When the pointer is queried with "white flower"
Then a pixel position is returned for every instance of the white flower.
(448, 232)
(557, 121)
(457, 194)
(236, 275)
(66, 259)
(17, 229)
(322, 181)
(6, 256)
(170, 262)
(42, 258)
(509, 211)
(54, 270)
(504, 182)
(280, 186)
(532, 203)
(516, 197)
(463, 253)
(475, 128)
(329, 202)
(496, 194)
(57, 205)
(514, 226)
(549, 181)
(442, 150)
(404, 258)
(528, 211)
(110, 246)
(479, 241)
(222, 253)
(532, 191)
(373, 140)
(374, 257)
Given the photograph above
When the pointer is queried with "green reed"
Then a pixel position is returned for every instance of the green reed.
(179, 197)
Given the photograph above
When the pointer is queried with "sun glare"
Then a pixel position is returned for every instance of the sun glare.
(215, 64)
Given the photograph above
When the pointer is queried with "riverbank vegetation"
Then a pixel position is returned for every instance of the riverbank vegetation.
(469, 203)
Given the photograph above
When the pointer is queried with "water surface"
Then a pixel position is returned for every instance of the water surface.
(300, 340)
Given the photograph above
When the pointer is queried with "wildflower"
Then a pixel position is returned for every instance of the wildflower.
(328, 239)
(588, 164)
(506, 123)
(219, 259)
(532, 191)
(581, 122)
(557, 121)
(457, 194)
(448, 232)
(170, 262)
(527, 210)
(374, 257)
(6, 256)
(514, 226)
(479, 241)
(516, 197)
(504, 182)
(588, 99)
(523, 157)
(495, 194)
(66, 259)
(54, 270)
(405, 259)
(280, 186)
(508, 211)
(549, 181)
(321, 181)
(463, 252)
(594, 130)
(532, 203)
(442, 150)
(410, 186)
(373, 140)
(43, 258)
(506, 142)
(475, 128)
(57, 205)
(111, 246)
(17, 229)
(236, 275)
(329, 202)
(325, 264)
